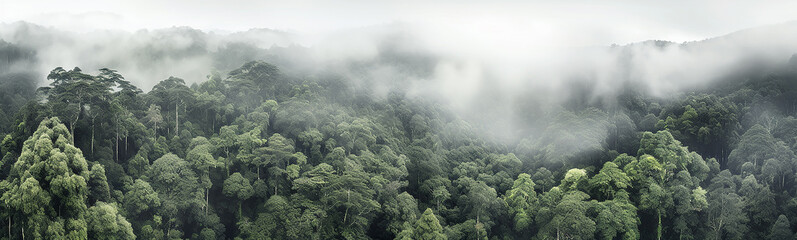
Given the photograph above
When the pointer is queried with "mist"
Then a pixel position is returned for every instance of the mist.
(398, 120)
(489, 78)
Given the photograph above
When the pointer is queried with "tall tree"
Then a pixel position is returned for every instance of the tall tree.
(522, 202)
(726, 218)
(609, 180)
(238, 187)
(428, 227)
(172, 92)
(568, 219)
(47, 186)
(781, 229)
(105, 222)
(617, 217)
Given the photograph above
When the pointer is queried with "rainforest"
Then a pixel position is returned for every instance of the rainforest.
(394, 132)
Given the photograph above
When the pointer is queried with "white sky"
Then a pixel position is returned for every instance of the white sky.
(561, 22)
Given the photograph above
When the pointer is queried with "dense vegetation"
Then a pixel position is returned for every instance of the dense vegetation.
(260, 154)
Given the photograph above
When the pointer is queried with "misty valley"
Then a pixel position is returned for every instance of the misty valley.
(383, 133)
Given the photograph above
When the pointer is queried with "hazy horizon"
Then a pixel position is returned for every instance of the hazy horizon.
(569, 23)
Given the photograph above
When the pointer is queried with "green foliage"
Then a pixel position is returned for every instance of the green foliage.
(105, 222)
(266, 154)
(568, 219)
(781, 229)
(756, 146)
(522, 201)
(609, 180)
(707, 122)
(47, 186)
(617, 218)
(141, 198)
(428, 227)
(574, 179)
(725, 212)
(236, 186)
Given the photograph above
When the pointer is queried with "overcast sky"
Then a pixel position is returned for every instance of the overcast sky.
(560, 22)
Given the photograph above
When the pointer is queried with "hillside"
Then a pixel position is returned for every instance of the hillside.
(184, 134)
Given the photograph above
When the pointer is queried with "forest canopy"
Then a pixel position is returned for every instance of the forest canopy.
(259, 150)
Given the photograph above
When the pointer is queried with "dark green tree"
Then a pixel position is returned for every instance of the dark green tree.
(781, 229)
(47, 186)
(428, 227)
(105, 222)
(238, 187)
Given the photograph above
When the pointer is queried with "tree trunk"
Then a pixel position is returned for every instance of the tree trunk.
(348, 198)
(658, 229)
(782, 180)
(74, 123)
(72, 129)
(557, 233)
(117, 142)
(92, 137)
(176, 119)
(207, 205)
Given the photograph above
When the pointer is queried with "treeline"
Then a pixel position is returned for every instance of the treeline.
(259, 154)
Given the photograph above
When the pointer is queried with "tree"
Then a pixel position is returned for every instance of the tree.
(776, 171)
(568, 219)
(172, 92)
(105, 222)
(154, 116)
(481, 200)
(654, 199)
(279, 221)
(201, 161)
(617, 217)
(707, 122)
(759, 205)
(667, 150)
(439, 195)
(544, 179)
(522, 201)
(141, 198)
(238, 187)
(98, 185)
(178, 189)
(72, 90)
(278, 153)
(575, 179)
(781, 229)
(688, 205)
(726, 217)
(350, 195)
(357, 136)
(609, 180)
(47, 186)
(757, 145)
(428, 227)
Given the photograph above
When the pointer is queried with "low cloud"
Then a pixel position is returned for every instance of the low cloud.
(487, 73)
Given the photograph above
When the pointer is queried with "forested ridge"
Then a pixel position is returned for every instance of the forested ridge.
(260, 153)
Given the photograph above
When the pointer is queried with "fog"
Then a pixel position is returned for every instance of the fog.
(490, 77)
